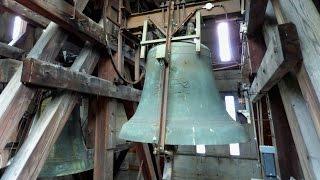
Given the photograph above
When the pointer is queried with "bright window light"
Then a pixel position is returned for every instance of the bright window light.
(17, 26)
(224, 41)
(230, 107)
(201, 149)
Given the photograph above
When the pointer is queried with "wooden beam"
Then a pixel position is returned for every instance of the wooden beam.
(302, 121)
(61, 13)
(25, 13)
(105, 123)
(255, 15)
(45, 74)
(136, 20)
(144, 156)
(7, 69)
(286, 150)
(302, 127)
(256, 51)
(11, 51)
(16, 97)
(308, 72)
(34, 151)
(282, 55)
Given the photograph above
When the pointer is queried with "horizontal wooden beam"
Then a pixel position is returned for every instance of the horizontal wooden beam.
(7, 69)
(50, 75)
(136, 20)
(25, 13)
(62, 13)
(10, 51)
(282, 55)
(255, 15)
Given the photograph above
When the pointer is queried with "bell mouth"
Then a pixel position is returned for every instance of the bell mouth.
(185, 134)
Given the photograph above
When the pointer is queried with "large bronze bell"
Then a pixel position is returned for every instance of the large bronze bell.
(69, 154)
(195, 112)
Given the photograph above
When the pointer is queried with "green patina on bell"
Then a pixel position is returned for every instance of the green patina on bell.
(195, 115)
(69, 154)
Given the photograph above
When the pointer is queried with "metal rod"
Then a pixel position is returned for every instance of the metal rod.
(144, 38)
(162, 40)
(198, 31)
(165, 85)
(137, 65)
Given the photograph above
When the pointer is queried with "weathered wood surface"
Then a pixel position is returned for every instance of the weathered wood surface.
(256, 51)
(286, 150)
(144, 155)
(25, 13)
(61, 13)
(50, 75)
(302, 127)
(105, 125)
(306, 19)
(10, 51)
(136, 20)
(34, 151)
(7, 69)
(282, 55)
(16, 97)
(255, 15)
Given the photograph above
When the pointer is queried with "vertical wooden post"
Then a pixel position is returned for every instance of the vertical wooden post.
(302, 127)
(286, 149)
(120, 55)
(137, 65)
(105, 123)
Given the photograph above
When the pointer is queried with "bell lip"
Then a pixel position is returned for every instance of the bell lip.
(74, 168)
(204, 135)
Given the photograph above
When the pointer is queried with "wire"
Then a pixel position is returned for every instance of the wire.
(106, 5)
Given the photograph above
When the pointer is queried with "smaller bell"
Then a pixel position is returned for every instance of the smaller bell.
(69, 154)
